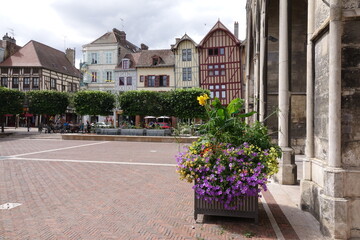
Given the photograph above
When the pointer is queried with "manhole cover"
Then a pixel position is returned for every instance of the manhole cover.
(9, 205)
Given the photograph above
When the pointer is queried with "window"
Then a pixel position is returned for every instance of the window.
(121, 81)
(125, 64)
(16, 70)
(52, 83)
(15, 82)
(35, 82)
(4, 70)
(27, 70)
(142, 78)
(216, 51)
(163, 81)
(35, 70)
(129, 81)
(187, 76)
(4, 81)
(108, 76)
(218, 91)
(216, 70)
(93, 76)
(186, 54)
(94, 58)
(156, 61)
(151, 81)
(108, 58)
(74, 87)
(26, 82)
(63, 88)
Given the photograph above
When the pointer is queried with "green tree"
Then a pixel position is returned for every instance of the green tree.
(184, 103)
(180, 103)
(47, 102)
(94, 103)
(12, 102)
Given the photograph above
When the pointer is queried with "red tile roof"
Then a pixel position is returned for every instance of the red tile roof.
(35, 54)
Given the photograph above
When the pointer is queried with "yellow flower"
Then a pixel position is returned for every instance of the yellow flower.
(202, 99)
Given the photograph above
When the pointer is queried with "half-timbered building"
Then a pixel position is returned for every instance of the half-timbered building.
(37, 66)
(220, 64)
(186, 62)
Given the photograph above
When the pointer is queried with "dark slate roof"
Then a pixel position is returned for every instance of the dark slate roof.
(35, 54)
(219, 26)
(133, 57)
(166, 57)
(116, 36)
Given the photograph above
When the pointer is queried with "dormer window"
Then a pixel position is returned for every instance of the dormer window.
(125, 63)
(155, 61)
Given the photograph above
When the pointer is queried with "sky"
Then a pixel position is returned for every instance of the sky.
(65, 24)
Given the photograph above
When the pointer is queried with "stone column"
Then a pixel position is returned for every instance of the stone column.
(309, 148)
(288, 171)
(263, 62)
(335, 34)
(248, 54)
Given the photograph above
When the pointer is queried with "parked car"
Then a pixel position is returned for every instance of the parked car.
(101, 125)
(163, 125)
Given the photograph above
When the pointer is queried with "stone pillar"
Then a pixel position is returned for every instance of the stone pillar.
(248, 54)
(263, 62)
(288, 171)
(309, 148)
(335, 84)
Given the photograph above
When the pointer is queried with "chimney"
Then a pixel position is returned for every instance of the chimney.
(70, 55)
(177, 40)
(236, 30)
(144, 47)
(6, 37)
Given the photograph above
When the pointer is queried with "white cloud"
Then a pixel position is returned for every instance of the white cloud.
(68, 23)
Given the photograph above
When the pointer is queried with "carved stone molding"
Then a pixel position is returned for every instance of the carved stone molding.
(351, 4)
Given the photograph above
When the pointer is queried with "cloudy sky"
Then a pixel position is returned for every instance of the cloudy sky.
(72, 23)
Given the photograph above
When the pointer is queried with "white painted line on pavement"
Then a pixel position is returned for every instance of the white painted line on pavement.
(273, 222)
(88, 161)
(57, 149)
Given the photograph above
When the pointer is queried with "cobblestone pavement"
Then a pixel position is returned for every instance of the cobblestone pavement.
(109, 190)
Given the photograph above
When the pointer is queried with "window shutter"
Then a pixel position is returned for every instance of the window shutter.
(168, 81)
(146, 81)
(157, 81)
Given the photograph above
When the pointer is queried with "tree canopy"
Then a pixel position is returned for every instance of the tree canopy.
(94, 103)
(47, 102)
(179, 103)
(11, 102)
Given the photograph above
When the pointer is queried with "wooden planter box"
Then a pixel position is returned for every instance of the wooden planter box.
(248, 207)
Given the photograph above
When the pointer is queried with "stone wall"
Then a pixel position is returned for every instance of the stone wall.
(321, 97)
(350, 94)
(297, 68)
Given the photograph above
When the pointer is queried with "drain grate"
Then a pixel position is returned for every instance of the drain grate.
(9, 206)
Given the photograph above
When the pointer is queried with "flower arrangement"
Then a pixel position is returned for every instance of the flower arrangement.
(232, 158)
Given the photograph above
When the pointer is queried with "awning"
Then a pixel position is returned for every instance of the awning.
(28, 115)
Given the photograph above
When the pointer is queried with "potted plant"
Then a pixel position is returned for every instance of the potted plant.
(230, 162)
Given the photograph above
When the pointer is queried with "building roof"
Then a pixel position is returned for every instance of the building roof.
(219, 26)
(134, 59)
(116, 36)
(165, 56)
(184, 38)
(35, 54)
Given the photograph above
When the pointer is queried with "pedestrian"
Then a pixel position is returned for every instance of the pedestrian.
(88, 126)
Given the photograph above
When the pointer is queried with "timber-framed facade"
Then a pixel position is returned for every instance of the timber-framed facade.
(220, 64)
